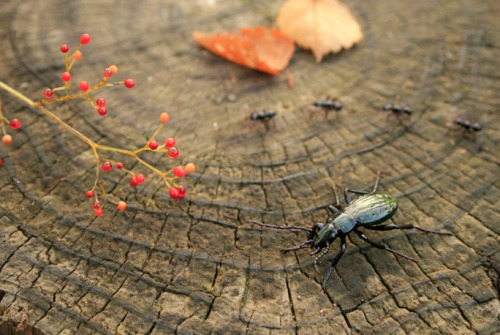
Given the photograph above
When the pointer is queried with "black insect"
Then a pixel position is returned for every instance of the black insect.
(397, 109)
(263, 116)
(467, 126)
(328, 105)
(400, 112)
(368, 211)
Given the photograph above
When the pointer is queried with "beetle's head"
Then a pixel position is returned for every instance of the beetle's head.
(326, 235)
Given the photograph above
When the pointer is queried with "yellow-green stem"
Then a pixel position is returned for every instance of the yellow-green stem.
(93, 145)
(47, 113)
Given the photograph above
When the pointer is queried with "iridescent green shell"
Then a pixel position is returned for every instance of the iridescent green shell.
(372, 209)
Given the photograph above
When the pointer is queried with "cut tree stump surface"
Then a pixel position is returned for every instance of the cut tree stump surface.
(199, 266)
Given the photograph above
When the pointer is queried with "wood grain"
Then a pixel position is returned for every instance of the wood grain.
(199, 266)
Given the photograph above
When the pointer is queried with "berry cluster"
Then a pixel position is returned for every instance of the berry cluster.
(169, 177)
(99, 104)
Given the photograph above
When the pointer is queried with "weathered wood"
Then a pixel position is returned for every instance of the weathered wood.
(199, 266)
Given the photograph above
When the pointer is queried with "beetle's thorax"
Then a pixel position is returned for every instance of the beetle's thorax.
(344, 223)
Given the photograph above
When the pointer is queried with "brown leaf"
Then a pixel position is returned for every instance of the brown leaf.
(321, 25)
(257, 48)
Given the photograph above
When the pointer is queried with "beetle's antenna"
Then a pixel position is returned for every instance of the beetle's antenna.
(281, 227)
(376, 182)
(334, 186)
(336, 194)
(304, 245)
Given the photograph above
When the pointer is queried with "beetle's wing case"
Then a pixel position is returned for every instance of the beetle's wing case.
(372, 209)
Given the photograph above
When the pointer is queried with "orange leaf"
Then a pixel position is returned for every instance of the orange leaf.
(257, 48)
(321, 25)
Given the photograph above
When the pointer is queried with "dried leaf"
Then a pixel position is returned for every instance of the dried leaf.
(257, 48)
(321, 25)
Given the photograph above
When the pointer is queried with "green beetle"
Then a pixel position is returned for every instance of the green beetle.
(368, 211)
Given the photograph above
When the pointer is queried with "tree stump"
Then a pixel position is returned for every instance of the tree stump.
(199, 266)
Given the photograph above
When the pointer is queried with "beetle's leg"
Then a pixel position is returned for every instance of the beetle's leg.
(281, 227)
(336, 195)
(383, 247)
(389, 227)
(376, 182)
(335, 261)
(428, 231)
(406, 226)
(333, 209)
(321, 255)
(304, 245)
(347, 196)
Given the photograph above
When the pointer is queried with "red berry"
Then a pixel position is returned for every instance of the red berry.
(101, 102)
(129, 83)
(113, 68)
(164, 117)
(77, 54)
(102, 111)
(119, 165)
(107, 72)
(179, 171)
(174, 193)
(134, 182)
(85, 38)
(15, 124)
(182, 191)
(153, 145)
(66, 76)
(64, 48)
(190, 168)
(1, 162)
(84, 86)
(173, 152)
(7, 139)
(107, 166)
(140, 178)
(96, 204)
(98, 212)
(48, 93)
(122, 205)
(89, 194)
(170, 142)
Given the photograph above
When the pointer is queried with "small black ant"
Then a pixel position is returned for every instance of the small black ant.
(263, 116)
(467, 127)
(328, 105)
(397, 110)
